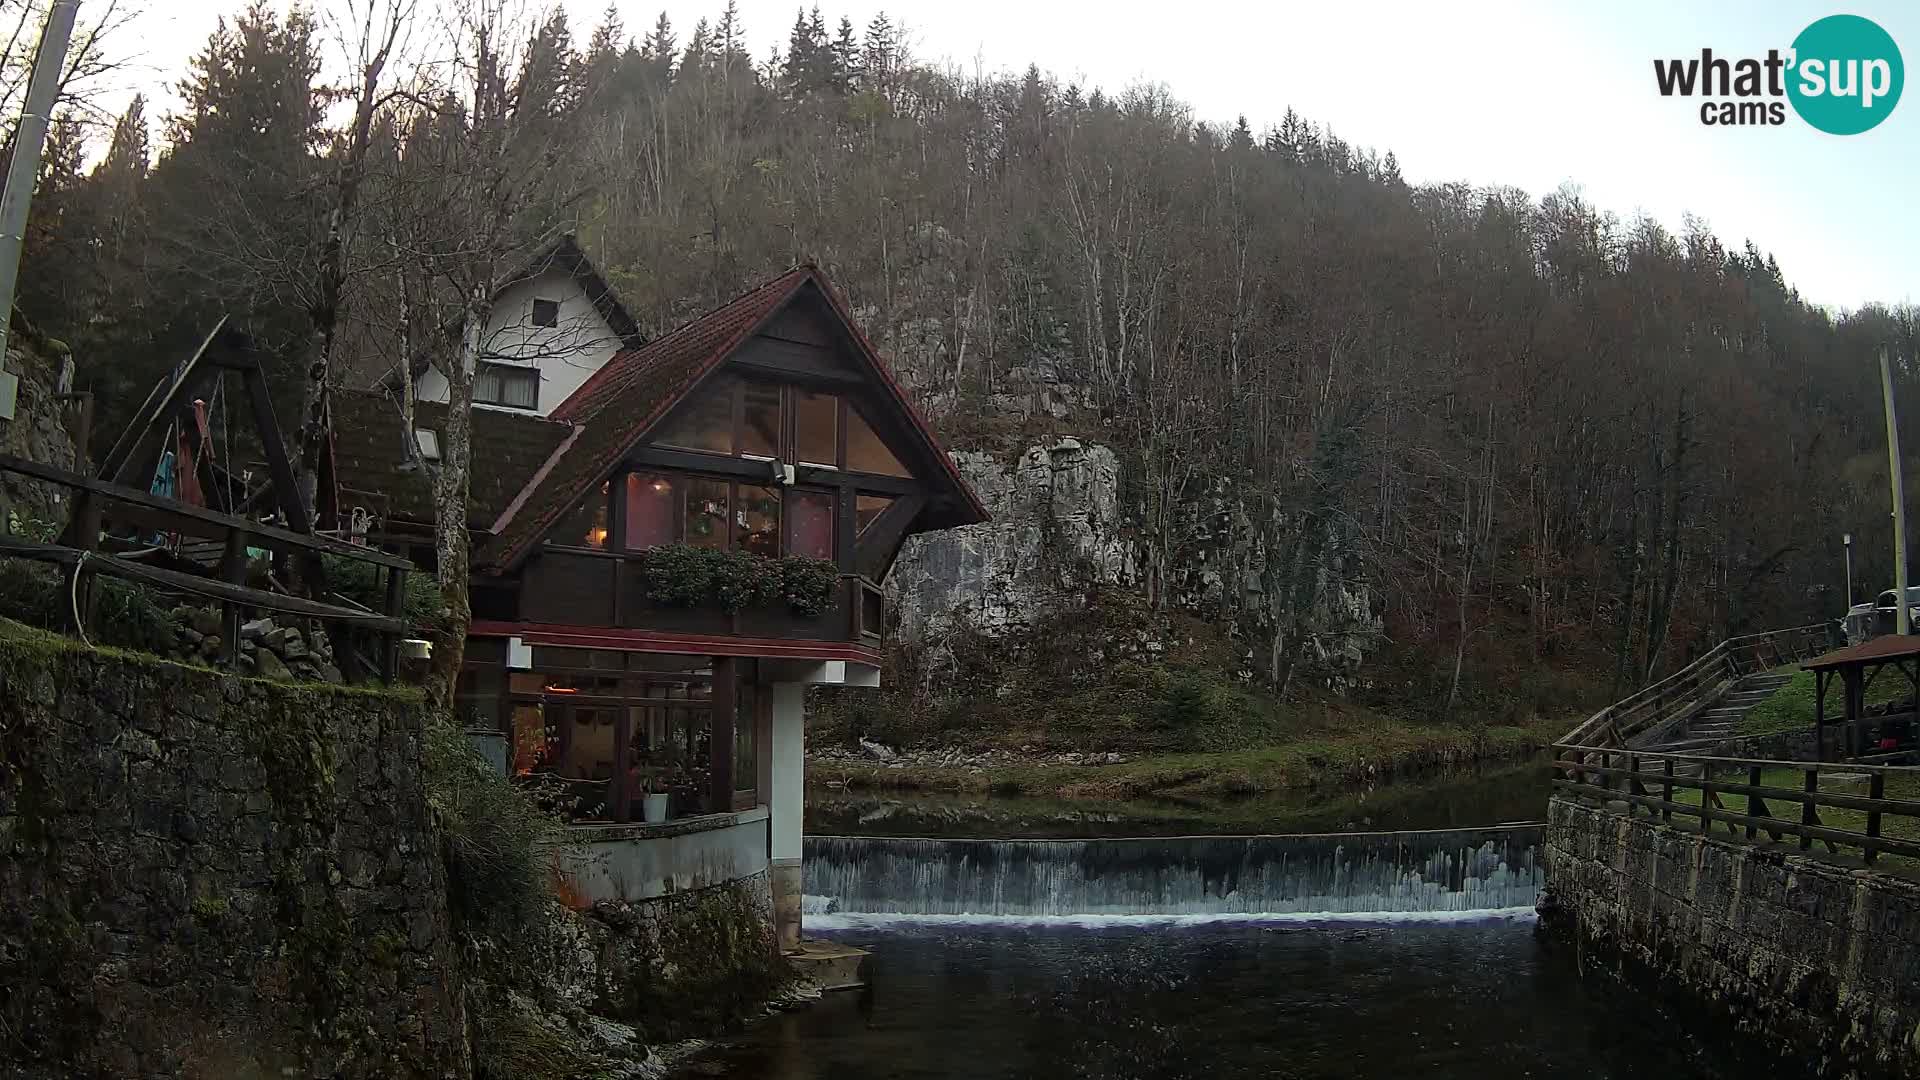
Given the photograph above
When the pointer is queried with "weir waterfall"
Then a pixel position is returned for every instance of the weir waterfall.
(1451, 870)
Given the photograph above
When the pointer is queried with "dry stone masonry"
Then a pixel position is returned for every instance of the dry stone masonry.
(208, 876)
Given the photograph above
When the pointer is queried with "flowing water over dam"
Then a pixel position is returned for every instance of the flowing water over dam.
(1312, 957)
(1451, 870)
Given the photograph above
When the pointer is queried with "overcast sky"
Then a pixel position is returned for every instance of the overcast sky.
(1531, 95)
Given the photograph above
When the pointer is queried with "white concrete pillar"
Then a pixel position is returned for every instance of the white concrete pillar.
(786, 806)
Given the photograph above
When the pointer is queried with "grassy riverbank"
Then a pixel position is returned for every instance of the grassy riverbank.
(1370, 748)
(1478, 795)
(1791, 707)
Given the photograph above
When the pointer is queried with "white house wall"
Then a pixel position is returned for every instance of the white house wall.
(566, 354)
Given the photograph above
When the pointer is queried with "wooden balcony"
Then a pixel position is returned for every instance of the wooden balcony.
(582, 587)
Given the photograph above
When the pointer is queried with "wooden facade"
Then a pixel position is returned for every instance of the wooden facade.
(768, 428)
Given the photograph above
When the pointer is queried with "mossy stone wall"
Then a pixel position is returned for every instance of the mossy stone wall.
(210, 876)
(1808, 957)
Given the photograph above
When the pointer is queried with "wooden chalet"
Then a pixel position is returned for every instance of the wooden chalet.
(768, 428)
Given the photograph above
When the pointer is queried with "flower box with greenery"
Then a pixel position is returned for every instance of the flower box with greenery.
(691, 577)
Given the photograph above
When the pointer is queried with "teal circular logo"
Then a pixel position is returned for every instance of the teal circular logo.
(1846, 75)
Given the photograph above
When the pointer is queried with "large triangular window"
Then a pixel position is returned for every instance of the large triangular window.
(705, 421)
(866, 452)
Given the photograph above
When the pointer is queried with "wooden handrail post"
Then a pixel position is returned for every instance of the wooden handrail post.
(1876, 789)
(1666, 797)
(233, 571)
(1756, 806)
(396, 602)
(83, 526)
(1808, 814)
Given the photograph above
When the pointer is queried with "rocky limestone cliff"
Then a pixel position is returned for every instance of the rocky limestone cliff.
(37, 432)
(1057, 533)
(1065, 537)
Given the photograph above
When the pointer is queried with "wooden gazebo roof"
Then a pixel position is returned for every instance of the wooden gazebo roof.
(1886, 649)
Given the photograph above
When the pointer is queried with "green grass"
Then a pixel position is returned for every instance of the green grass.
(1791, 707)
(1371, 747)
(1832, 817)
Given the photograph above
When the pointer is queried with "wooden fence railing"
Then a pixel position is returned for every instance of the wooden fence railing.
(1692, 687)
(1750, 797)
(98, 505)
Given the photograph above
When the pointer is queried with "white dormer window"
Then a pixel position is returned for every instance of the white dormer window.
(429, 442)
(546, 312)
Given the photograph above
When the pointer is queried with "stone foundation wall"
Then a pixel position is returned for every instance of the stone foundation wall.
(1819, 961)
(209, 876)
(688, 963)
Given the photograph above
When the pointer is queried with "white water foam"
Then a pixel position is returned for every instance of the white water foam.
(883, 921)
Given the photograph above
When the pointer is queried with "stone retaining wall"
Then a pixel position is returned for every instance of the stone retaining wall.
(209, 876)
(1815, 959)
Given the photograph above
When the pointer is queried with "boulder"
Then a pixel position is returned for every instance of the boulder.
(268, 666)
(257, 629)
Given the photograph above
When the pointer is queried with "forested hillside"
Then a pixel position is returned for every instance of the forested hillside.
(1539, 433)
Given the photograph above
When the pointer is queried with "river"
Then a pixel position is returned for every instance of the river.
(1109, 943)
(1480, 999)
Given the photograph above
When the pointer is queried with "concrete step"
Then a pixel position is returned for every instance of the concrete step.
(829, 965)
(1771, 682)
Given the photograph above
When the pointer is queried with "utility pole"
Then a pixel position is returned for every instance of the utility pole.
(1899, 496)
(30, 138)
(1846, 544)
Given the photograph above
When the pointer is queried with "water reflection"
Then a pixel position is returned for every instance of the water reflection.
(1469, 1001)
(1488, 795)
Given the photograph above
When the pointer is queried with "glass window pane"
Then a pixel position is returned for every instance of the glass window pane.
(522, 388)
(530, 738)
(810, 530)
(866, 453)
(760, 420)
(587, 525)
(746, 769)
(506, 384)
(816, 436)
(866, 508)
(651, 520)
(706, 421)
(758, 523)
(706, 513)
(588, 753)
(486, 384)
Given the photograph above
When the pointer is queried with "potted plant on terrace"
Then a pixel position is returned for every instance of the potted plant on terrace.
(653, 798)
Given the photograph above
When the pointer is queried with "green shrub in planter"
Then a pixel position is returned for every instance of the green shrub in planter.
(690, 577)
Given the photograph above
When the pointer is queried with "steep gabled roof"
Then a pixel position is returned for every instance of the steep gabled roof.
(509, 450)
(563, 253)
(621, 402)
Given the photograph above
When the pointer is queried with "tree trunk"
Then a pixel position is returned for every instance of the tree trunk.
(451, 494)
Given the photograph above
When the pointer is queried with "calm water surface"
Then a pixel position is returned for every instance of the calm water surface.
(1489, 794)
(1474, 1000)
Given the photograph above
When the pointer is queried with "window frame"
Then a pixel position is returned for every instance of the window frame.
(533, 315)
(618, 525)
(517, 370)
(788, 441)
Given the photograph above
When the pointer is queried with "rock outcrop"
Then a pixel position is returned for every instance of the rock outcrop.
(37, 432)
(1066, 534)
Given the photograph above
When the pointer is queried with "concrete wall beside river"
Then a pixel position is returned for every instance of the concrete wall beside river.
(1816, 959)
